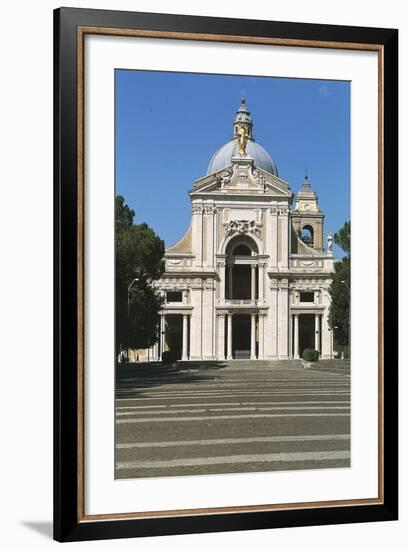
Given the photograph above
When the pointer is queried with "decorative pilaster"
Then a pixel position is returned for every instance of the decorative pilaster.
(230, 293)
(221, 281)
(253, 336)
(261, 277)
(229, 346)
(274, 238)
(162, 334)
(253, 282)
(317, 332)
(327, 338)
(184, 356)
(296, 337)
(261, 324)
(221, 337)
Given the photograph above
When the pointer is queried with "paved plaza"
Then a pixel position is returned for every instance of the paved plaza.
(228, 417)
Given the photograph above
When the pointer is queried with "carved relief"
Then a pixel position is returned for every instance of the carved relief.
(260, 179)
(197, 209)
(242, 227)
(209, 209)
(224, 178)
(175, 262)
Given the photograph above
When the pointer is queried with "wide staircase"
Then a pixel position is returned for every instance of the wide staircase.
(337, 366)
(245, 364)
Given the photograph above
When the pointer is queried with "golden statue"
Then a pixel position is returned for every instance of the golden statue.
(242, 139)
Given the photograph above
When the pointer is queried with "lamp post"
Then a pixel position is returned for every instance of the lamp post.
(345, 283)
(135, 280)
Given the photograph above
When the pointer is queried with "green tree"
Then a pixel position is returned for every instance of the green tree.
(342, 238)
(339, 316)
(139, 261)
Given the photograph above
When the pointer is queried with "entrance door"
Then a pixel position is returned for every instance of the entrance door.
(306, 332)
(174, 334)
(241, 336)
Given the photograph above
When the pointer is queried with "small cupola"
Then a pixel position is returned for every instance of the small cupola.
(243, 120)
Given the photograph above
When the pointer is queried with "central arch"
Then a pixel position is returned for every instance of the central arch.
(253, 242)
(241, 283)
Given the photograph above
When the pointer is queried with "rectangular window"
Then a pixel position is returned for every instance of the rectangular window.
(174, 296)
(307, 296)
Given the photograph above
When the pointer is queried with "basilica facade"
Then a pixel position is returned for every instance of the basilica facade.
(250, 278)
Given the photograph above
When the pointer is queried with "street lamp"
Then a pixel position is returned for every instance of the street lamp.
(135, 280)
(345, 283)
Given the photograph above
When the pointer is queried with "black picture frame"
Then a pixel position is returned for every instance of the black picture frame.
(69, 522)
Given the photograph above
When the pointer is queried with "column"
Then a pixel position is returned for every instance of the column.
(230, 281)
(253, 282)
(261, 323)
(271, 329)
(162, 334)
(296, 338)
(253, 336)
(317, 332)
(184, 356)
(221, 282)
(221, 337)
(229, 346)
(261, 282)
(283, 320)
(274, 238)
(327, 338)
(197, 233)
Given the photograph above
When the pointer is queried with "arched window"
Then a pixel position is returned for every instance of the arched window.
(241, 250)
(241, 245)
(306, 235)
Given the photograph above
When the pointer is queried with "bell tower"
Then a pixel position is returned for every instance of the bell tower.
(307, 218)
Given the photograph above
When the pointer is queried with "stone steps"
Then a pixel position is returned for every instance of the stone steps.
(340, 366)
(246, 363)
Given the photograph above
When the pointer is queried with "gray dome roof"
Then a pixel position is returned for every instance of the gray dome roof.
(223, 157)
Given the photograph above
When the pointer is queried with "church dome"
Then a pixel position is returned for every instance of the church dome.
(222, 158)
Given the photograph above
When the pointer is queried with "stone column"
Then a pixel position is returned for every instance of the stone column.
(253, 336)
(296, 338)
(261, 282)
(283, 320)
(274, 236)
(271, 329)
(197, 233)
(261, 323)
(230, 281)
(327, 338)
(317, 332)
(283, 235)
(184, 356)
(253, 282)
(229, 346)
(162, 334)
(221, 282)
(290, 333)
(221, 337)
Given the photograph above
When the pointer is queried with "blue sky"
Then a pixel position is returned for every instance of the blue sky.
(168, 125)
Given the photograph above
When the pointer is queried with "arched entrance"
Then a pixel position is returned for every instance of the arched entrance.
(242, 269)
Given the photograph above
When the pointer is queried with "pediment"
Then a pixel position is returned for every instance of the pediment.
(242, 178)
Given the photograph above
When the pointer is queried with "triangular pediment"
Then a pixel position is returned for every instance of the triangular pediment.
(241, 178)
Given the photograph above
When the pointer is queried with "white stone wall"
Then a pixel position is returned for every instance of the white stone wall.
(202, 271)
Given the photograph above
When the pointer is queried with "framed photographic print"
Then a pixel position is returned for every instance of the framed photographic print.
(225, 274)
